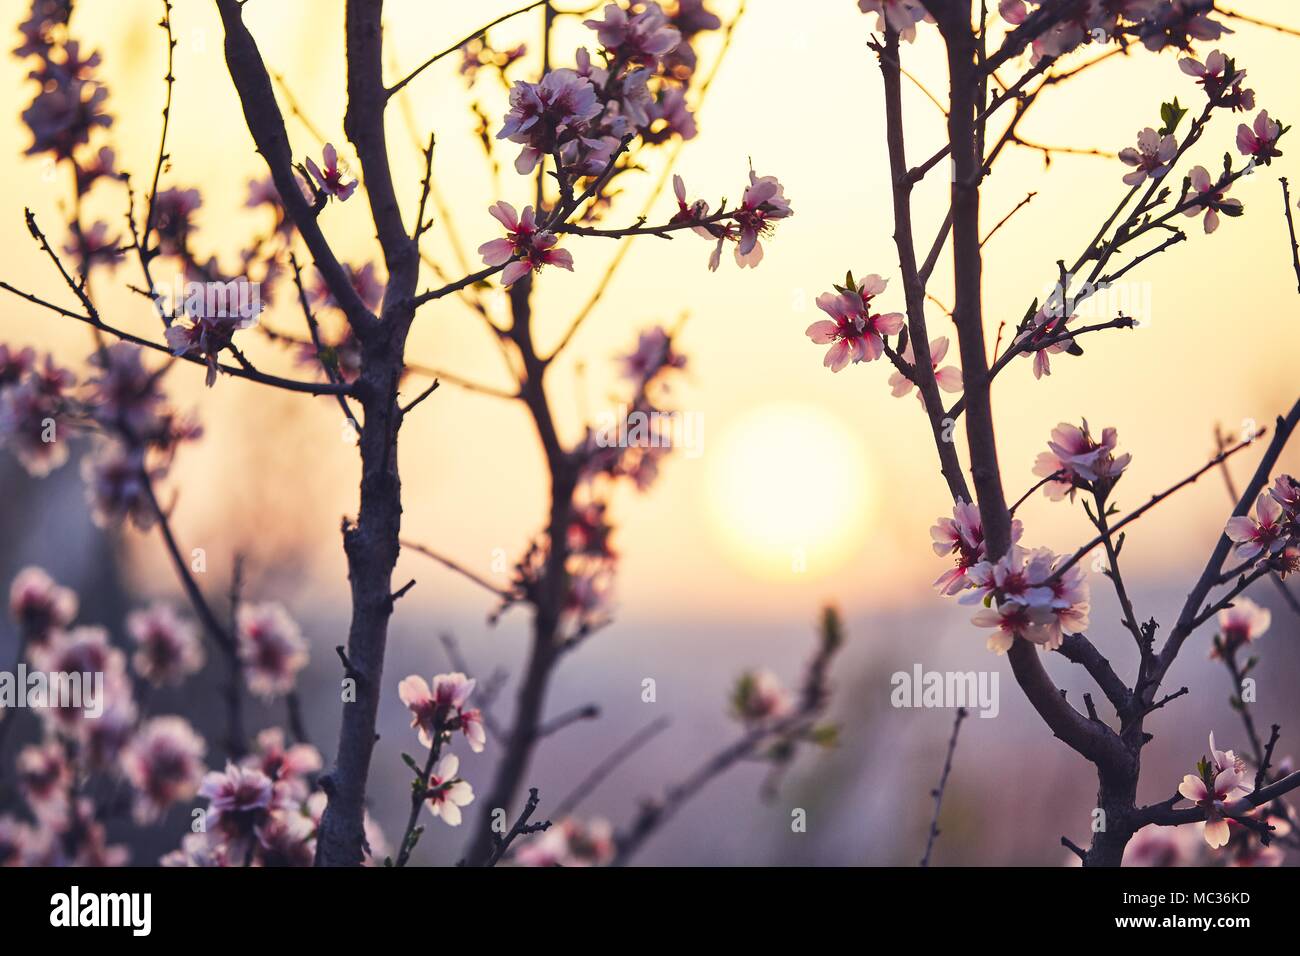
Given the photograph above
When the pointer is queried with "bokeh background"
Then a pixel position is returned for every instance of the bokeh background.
(793, 457)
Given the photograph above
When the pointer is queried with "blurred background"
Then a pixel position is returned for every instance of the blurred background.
(795, 460)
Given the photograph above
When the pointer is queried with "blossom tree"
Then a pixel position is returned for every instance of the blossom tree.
(625, 104)
(1003, 59)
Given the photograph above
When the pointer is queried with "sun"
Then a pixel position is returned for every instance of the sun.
(789, 491)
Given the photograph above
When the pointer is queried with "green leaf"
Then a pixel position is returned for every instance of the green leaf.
(1171, 114)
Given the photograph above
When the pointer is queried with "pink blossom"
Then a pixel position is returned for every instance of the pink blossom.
(1032, 601)
(854, 332)
(1240, 624)
(1075, 459)
(1011, 620)
(1221, 80)
(441, 709)
(206, 337)
(570, 843)
(654, 353)
(690, 19)
(1152, 157)
(690, 211)
(526, 248)
(168, 647)
(446, 793)
(271, 647)
(45, 778)
(15, 364)
(1209, 197)
(330, 180)
(287, 839)
(1263, 534)
(963, 535)
(641, 37)
(172, 212)
(1047, 326)
(762, 205)
(164, 763)
(547, 116)
(1286, 492)
(291, 766)
(1159, 846)
(1216, 779)
(115, 478)
(124, 393)
(39, 606)
(1177, 23)
(1259, 140)
(241, 802)
(101, 740)
(589, 531)
(901, 16)
(69, 106)
(948, 377)
(363, 281)
(32, 412)
(669, 116)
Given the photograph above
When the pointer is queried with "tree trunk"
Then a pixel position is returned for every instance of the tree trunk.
(371, 546)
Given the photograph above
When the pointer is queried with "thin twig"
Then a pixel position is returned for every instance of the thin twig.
(937, 792)
(1290, 225)
(392, 90)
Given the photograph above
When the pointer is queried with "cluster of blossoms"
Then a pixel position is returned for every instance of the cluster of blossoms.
(1026, 594)
(1031, 595)
(582, 118)
(156, 763)
(1156, 151)
(628, 445)
(1075, 460)
(439, 712)
(65, 115)
(526, 248)
(1157, 23)
(263, 810)
(41, 405)
(1271, 539)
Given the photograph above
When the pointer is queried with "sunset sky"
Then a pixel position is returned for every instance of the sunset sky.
(793, 457)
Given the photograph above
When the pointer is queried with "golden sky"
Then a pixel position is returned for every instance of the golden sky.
(799, 95)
